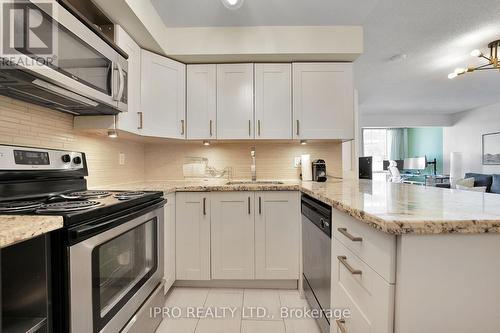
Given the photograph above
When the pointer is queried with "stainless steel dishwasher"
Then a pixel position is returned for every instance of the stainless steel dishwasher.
(316, 242)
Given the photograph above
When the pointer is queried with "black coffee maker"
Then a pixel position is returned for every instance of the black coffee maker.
(319, 170)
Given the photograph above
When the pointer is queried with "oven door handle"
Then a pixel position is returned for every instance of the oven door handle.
(92, 229)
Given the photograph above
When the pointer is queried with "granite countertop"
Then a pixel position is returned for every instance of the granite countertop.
(389, 207)
(17, 228)
(214, 185)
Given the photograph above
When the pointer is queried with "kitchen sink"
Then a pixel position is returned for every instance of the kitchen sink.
(257, 182)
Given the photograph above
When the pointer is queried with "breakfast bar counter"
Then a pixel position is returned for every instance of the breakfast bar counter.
(389, 207)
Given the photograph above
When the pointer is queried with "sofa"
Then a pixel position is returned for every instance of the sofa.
(491, 182)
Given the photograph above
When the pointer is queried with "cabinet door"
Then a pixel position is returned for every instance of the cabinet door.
(130, 121)
(163, 96)
(169, 238)
(323, 101)
(192, 240)
(277, 240)
(233, 235)
(273, 101)
(201, 102)
(235, 101)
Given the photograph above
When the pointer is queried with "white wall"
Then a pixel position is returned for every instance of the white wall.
(465, 136)
(264, 43)
(405, 120)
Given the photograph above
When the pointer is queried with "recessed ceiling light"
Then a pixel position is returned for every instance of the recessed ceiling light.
(232, 4)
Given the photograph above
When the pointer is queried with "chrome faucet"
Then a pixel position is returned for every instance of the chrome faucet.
(252, 167)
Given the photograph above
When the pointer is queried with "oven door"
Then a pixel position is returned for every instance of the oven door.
(113, 272)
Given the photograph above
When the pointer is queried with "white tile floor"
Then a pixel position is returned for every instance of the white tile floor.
(241, 302)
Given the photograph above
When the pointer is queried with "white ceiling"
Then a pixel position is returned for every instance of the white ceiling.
(436, 36)
(210, 13)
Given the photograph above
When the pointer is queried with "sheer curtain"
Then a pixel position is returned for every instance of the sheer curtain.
(397, 143)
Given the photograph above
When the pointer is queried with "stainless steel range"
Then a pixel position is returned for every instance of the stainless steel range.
(107, 261)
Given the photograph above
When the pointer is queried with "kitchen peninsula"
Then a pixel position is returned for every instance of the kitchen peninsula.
(417, 247)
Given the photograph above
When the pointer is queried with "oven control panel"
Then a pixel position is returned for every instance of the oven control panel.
(29, 158)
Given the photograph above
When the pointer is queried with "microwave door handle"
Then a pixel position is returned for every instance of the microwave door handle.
(117, 80)
(121, 78)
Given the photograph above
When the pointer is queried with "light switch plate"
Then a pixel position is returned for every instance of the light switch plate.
(297, 162)
(121, 159)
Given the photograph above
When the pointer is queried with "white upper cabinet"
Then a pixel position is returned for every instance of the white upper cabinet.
(130, 121)
(235, 111)
(323, 101)
(163, 96)
(201, 102)
(273, 101)
(277, 239)
(232, 236)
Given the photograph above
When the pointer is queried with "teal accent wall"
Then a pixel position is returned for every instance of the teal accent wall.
(427, 141)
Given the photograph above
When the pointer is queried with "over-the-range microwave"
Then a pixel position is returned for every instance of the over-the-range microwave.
(49, 57)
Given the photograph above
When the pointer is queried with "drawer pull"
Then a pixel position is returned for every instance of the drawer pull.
(341, 325)
(204, 206)
(344, 232)
(343, 260)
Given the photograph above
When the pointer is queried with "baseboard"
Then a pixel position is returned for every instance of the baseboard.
(240, 284)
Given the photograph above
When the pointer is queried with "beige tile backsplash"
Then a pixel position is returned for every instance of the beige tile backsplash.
(30, 125)
(273, 160)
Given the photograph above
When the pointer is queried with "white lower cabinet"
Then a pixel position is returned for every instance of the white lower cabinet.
(237, 235)
(277, 238)
(192, 235)
(169, 236)
(357, 287)
(232, 238)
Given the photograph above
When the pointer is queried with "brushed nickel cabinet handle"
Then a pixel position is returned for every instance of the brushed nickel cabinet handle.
(182, 127)
(341, 325)
(210, 128)
(343, 261)
(258, 127)
(204, 206)
(298, 127)
(260, 205)
(140, 120)
(249, 128)
(249, 212)
(344, 232)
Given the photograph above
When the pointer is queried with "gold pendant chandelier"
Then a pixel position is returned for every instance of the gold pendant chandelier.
(492, 61)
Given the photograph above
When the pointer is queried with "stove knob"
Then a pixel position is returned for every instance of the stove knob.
(66, 158)
(77, 160)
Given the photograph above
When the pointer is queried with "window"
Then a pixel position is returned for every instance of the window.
(375, 145)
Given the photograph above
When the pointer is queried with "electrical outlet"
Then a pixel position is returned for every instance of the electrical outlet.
(121, 159)
(297, 162)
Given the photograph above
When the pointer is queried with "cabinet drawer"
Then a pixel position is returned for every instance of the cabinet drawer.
(359, 288)
(374, 247)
